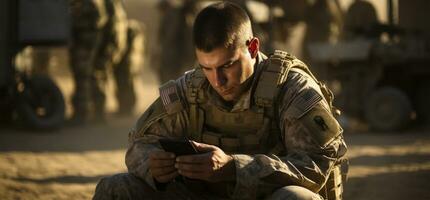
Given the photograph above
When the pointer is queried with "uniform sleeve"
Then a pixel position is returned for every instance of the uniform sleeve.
(312, 140)
(154, 124)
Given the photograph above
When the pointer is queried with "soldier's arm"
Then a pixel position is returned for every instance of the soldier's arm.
(154, 124)
(311, 137)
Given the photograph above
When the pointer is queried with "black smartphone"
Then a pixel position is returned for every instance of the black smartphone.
(178, 146)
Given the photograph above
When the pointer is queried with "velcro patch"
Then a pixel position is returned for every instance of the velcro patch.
(304, 103)
(170, 97)
(321, 125)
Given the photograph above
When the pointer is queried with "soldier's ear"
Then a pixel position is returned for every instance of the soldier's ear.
(253, 46)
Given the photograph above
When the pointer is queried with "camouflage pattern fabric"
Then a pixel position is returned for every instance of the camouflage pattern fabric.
(111, 49)
(126, 69)
(176, 49)
(306, 156)
(87, 20)
(99, 45)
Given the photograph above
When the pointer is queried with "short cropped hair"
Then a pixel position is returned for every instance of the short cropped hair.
(223, 24)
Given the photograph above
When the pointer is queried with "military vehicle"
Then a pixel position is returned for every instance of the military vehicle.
(34, 100)
(383, 76)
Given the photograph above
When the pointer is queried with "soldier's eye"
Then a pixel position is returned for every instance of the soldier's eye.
(206, 69)
(229, 64)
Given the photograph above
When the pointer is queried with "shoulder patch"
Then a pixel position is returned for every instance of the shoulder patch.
(170, 97)
(303, 103)
(321, 125)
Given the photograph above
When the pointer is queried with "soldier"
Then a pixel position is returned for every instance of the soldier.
(176, 51)
(127, 67)
(264, 127)
(111, 50)
(323, 25)
(99, 44)
(88, 18)
(360, 19)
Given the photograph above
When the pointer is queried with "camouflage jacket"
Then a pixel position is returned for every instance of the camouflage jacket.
(309, 140)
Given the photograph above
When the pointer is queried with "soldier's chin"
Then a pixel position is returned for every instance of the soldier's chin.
(228, 97)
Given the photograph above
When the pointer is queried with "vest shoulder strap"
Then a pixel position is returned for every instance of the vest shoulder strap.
(193, 82)
(177, 95)
(272, 76)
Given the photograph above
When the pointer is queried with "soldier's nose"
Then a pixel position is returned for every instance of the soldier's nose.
(220, 79)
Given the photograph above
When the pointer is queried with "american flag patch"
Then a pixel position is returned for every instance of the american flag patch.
(304, 103)
(170, 98)
(169, 95)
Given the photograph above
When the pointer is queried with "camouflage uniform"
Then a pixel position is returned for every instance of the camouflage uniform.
(127, 67)
(99, 41)
(176, 49)
(285, 146)
(88, 17)
(111, 50)
(323, 23)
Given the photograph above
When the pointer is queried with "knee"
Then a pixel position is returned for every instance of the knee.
(108, 185)
(120, 186)
(294, 192)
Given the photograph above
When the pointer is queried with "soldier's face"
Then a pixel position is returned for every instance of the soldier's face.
(227, 69)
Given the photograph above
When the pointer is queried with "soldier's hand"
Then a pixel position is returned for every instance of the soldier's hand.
(213, 165)
(162, 166)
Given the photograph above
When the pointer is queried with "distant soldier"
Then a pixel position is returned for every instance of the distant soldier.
(323, 20)
(176, 49)
(360, 19)
(323, 24)
(88, 18)
(127, 67)
(99, 44)
(113, 44)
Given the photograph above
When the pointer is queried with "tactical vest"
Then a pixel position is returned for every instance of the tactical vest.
(252, 131)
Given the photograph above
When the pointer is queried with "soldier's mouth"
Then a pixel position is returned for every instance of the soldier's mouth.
(227, 91)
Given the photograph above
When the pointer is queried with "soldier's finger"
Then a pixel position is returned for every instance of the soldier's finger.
(161, 171)
(199, 158)
(159, 155)
(194, 175)
(167, 177)
(191, 167)
(202, 147)
(161, 163)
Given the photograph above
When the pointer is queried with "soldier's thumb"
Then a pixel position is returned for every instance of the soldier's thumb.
(202, 147)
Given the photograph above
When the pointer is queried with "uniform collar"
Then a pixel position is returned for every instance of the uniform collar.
(244, 101)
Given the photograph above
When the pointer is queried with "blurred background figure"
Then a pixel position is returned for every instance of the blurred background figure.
(360, 18)
(175, 53)
(88, 18)
(126, 70)
(102, 43)
(323, 20)
(110, 52)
